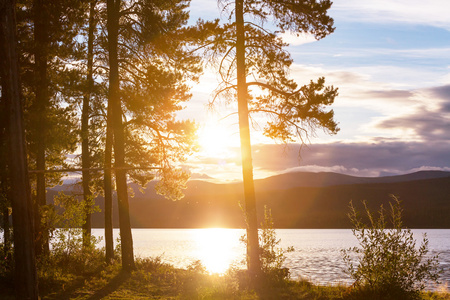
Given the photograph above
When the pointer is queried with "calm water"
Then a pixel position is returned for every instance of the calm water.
(317, 254)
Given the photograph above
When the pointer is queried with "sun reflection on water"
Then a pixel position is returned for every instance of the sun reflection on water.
(218, 248)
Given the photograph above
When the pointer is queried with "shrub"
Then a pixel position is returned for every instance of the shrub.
(272, 256)
(65, 220)
(390, 266)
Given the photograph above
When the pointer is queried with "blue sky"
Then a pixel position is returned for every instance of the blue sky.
(390, 60)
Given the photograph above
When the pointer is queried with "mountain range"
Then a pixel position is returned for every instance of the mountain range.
(297, 200)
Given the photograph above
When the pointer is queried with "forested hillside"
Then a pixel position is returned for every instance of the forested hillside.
(323, 204)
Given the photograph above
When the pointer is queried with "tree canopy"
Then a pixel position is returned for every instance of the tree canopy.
(293, 111)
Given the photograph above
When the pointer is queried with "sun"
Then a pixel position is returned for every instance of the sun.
(219, 248)
(216, 140)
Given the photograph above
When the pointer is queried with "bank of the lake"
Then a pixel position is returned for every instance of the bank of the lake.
(317, 255)
(156, 280)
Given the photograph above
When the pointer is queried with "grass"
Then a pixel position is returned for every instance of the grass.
(154, 279)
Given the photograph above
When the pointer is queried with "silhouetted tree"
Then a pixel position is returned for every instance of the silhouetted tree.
(114, 101)
(85, 114)
(107, 186)
(25, 268)
(48, 33)
(150, 49)
(5, 202)
(246, 48)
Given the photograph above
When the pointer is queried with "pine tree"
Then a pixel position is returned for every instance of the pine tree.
(48, 45)
(5, 195)
(25, 265)
(246, 48)
(85, 114)
(150, 62)
(115, 104)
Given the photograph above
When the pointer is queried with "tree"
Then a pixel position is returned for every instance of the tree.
(151, 59)
(390, 266)
(246, 49)
(114, 100)
(5, 202)
(41, 104)
(85, 114)
(48, 45)
(25, 266)
(107, 186)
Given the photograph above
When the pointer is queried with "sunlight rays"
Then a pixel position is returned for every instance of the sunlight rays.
(218, 248)
(216, 140)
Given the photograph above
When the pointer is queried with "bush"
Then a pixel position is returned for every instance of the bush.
(390, 266)
(65, 220)
(272, 256)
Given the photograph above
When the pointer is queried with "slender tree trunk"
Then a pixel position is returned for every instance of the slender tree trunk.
(6, 231)
(253, 260)
(25, 265)
(5, 213)
(41, 105)
(85, 156)
(4, 185)
(113, 7)
(109, 241)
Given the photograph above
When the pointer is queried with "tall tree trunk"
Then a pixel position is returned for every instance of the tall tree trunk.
(4, 185)
(253, 260)
(25, 265)
(41, 105)
(113, 7)
(85, 156)
(6, 231)
(109, 241)
(5, 212)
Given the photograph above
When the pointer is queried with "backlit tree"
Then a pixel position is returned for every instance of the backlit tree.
(253, 66)
(150, 64)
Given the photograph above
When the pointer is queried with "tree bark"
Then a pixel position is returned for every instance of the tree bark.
(5, 214)
(85, 155)
(113, 7)
(26, 285)
(253, 259)
(4, 184)
(41, 105)
(109, 240)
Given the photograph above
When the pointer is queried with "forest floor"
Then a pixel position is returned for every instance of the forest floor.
(153, 279)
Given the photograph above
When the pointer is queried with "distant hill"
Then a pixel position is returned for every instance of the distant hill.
(297, 200)
(322, 179)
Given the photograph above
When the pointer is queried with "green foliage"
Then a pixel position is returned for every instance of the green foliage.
(293, 111)
(54, 120)
(157, 66)
(154, 279)
(6, 260)
(390, 266)
(66, 219)
(272, 256)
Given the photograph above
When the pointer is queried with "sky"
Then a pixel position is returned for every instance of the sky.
(390, 60)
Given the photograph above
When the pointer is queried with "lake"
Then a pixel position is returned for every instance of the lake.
(317, 255)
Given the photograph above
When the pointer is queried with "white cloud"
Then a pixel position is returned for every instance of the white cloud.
(296, 40)
(432, 12)
(335, 169)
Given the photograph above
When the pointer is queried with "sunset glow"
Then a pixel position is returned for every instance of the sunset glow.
(389, 60)
(218, 248)
(216, 139)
